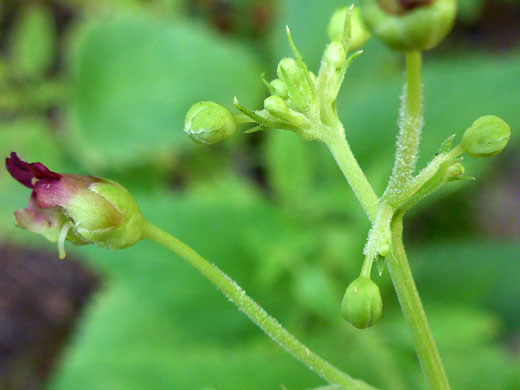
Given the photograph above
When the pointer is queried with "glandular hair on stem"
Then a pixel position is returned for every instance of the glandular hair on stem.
(407, 145)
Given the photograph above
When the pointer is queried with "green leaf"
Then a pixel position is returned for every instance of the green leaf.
(313, 289)
(33, 41)
(452, 270)
(289, 166)
(135, 78)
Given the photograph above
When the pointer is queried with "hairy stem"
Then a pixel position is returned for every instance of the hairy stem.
(251, 309)
(410, 127)
(411, 305)
(357, 180)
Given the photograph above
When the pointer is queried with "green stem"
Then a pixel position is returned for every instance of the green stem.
(411, 118)
(411, 305)
(413, 83)
(357, 180)
(366, 269)
(410, 126)
(251, 309)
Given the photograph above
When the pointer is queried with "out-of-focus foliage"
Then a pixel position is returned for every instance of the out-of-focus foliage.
(102, 87)
(135, 78)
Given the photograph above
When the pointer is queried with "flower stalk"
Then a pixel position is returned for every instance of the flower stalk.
(255, 313)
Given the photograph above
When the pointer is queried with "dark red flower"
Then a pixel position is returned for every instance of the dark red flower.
(82, 209)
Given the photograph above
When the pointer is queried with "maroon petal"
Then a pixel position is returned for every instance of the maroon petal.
(25, 172)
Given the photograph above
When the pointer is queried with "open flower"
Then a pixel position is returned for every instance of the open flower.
(81, 209)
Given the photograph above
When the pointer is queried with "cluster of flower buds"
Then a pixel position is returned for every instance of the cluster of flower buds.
(409, 25)
(299, 100)
(77, 208)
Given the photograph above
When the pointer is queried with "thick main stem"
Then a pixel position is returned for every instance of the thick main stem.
(399, 183)
(414, 314)
(258, 315)
(357, 180)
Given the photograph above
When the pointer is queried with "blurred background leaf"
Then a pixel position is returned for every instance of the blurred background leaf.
(135, 78)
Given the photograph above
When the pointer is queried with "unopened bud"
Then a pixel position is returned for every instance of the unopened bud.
(275, 105)
(410, 26)
(209, 122)
(279, 87)
(455, 171)
(290, 68)
(487, 136)
(359, 31)
(335, 54)
(362, 304)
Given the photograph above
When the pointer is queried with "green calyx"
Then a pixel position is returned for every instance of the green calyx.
(359, 31)
(128, 221)
(279, 88)
(454, 171)
(208, 123)
(335, 54)
(362, 305)
(409, 26)
(486, 137)
(289, 71)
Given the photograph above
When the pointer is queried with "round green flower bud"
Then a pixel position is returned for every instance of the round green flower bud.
(455, 171)
(275, 105)
(291, 69)
(358, 29)
(362, 304)
(412, 25)
(335, 54)
(487, 136)
(279, 87)
(209, 122)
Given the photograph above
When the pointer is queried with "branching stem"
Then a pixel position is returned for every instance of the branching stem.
(357, 180)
